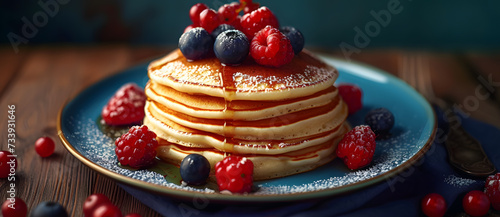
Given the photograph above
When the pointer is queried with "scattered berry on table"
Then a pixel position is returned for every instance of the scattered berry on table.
(357, 147)
(107, 210)
(381, 120)
(49, 209)
(476, 203)
(7, 162)
(195, 169)
(253, 22)
(270, 47)
(295, 36)
(137, 147)
(220, 29)
(45, 146)
(352, 96)
(231, 47)
(228, 12)
(93, 202)
(434, 205)
(235, 174)
(14, 208)
(126, 106)
(195, 11)
(196, 44)
(492, 190)
(209, 20)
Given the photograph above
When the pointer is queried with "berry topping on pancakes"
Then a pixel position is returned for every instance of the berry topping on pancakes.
(272, 49)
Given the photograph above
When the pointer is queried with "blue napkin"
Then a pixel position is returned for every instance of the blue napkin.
(397, 196)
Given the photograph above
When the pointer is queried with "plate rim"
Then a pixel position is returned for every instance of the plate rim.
(185, 194)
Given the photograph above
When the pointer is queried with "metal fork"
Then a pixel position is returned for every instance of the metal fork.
(464, 152)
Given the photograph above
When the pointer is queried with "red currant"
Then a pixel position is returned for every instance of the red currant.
(93, 202)
(492, 190)
(209, 20)
(45, 146)
(194, 13)
(133, 215)
(433, 205)
(107, 210)
(228, 12)
(14, 208)
(476, 203)
(189, 27)
(7, 162)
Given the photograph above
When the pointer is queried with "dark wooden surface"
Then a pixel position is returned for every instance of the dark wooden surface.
(38, 80)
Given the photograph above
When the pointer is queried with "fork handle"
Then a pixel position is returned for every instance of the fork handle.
(465, 152)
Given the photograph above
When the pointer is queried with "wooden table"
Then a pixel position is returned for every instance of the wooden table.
(38, 80)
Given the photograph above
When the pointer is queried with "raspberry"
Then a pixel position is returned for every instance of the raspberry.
(492, 190)
(194, 13)
(434, 205)
(253, 22)
(209, 20)
(351, 94)
(126, 106)
(476, 203)
(270, 47)
(234, 173)
(357, 147)
(137, 148)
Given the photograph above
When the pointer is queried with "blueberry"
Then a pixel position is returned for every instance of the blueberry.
(196, 44)
(195, 169)
(49, 209)
(295, 36)
(220, 29)
(231, 47)
(381, 120)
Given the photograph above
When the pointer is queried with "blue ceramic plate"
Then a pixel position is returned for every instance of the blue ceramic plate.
(411, 137)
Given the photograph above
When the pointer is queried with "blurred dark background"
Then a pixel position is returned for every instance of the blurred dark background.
(421, 24)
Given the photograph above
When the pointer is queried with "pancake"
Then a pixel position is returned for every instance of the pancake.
(171, 132)
(304, 76)
(286, 120)
(265, 166)
(204, 106)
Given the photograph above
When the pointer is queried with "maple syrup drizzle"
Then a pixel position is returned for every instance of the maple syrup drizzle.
(228, 88)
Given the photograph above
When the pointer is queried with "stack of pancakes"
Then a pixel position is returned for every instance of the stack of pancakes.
(286, 120)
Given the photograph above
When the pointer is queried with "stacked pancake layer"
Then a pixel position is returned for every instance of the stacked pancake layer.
(286, 120)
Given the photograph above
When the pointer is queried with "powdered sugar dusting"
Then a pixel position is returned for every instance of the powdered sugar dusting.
(99, 148)
(458, 181)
